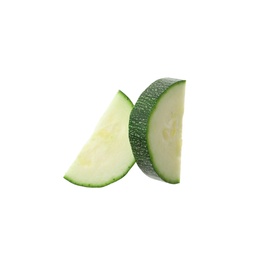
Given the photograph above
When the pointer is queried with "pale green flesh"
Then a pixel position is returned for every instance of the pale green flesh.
(107, 156)
(165, 134)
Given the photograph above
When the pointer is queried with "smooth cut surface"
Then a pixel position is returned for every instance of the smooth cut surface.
(107, 156)
(165, 133)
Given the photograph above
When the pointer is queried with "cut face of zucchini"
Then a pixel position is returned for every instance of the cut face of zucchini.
(155, 129)
(107, 156)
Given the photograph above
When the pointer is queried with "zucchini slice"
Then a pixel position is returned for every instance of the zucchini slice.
(107, 156)
(155, 129)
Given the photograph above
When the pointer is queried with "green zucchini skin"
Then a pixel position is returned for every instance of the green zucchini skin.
(138, 124)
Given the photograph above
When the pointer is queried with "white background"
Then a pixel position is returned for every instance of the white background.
(61, 63)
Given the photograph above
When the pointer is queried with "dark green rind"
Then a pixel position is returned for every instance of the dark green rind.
(89, 185)
(138, 125)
